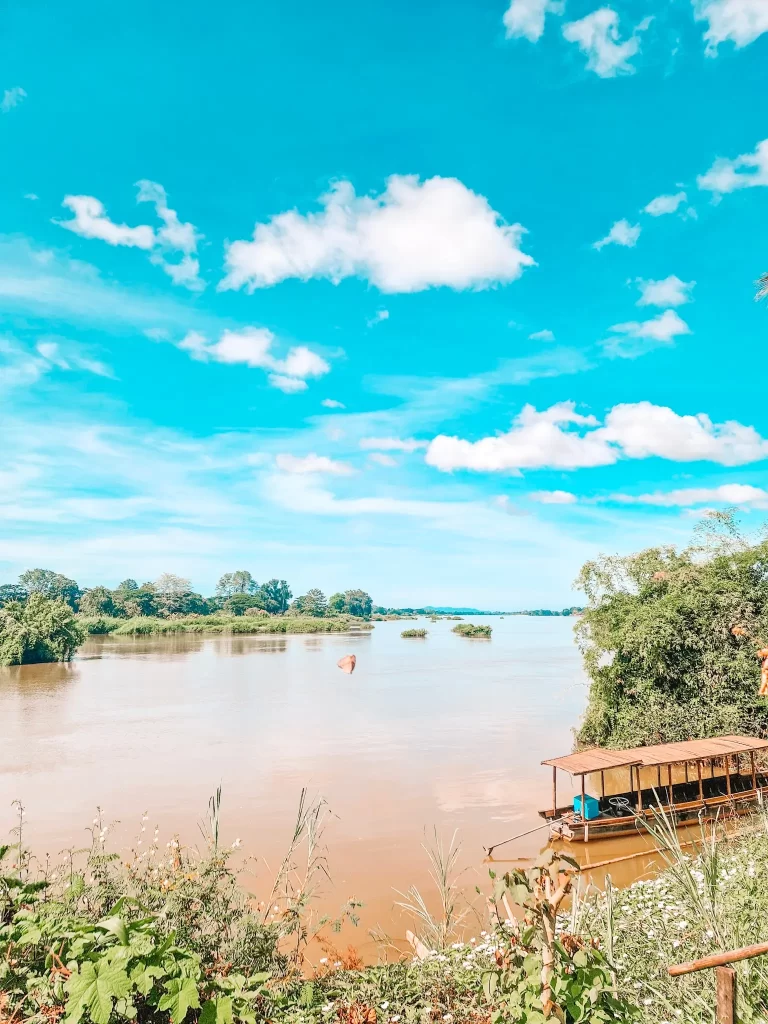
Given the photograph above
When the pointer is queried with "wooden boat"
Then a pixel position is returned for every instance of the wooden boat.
(690, 779)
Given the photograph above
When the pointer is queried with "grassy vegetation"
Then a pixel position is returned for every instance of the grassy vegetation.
(166, 934)
(417, 633)
(467, 629)
(146, 625)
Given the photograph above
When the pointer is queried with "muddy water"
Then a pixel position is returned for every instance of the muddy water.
(442, 732)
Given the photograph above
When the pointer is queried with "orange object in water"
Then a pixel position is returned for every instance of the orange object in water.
(348, 662)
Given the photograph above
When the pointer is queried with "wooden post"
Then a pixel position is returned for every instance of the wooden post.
(658, 776)
(670, 801)
(554, 791)
(711, 767)
(701, 784)
(639, 789)
(602, 785)
(754, 774)
(584, 811)
(727, 760)
(725, 982)
(686, 771)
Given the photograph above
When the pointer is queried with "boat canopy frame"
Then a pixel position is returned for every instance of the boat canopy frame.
(600, 760)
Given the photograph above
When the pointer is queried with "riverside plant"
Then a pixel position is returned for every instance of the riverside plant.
(709, 898)
(413, 634)
(473, 632)
(146, 625)
(166, 934)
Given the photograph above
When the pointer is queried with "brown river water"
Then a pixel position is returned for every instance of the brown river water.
(443, 732)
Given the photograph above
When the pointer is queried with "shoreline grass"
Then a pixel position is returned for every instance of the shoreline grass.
(146, 625)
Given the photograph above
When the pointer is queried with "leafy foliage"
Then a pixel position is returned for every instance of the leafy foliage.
(38, 631)
(240, 582)
(468, 630)
(659, 643)
(51, 585)
(312, 603)
(415, 633)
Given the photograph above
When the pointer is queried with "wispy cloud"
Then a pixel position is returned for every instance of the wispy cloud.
(622, 233)
(12, 98)
(597, 35)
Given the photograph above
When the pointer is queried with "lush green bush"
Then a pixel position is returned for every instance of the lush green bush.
(96, 625)
(670, 641)
(39, 630)
(467, 629)
(418, 633)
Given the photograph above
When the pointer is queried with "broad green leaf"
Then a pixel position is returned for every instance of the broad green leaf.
(217, 1011)
(180, 995)
(115, 926)
(93, 988)
(307, 996)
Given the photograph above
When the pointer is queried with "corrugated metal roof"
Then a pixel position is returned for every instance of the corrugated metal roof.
(599, 759)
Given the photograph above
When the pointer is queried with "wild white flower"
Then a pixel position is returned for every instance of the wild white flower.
(395, 1019)
(675, 943)
(237, 844)
(328, 1007)
(95, 821)
(447, 1016)
(323, 959)
(384, 1005)
(710, 934)
(337, 963)
(139, 843)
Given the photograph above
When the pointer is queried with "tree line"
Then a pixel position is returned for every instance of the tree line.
(237, 593)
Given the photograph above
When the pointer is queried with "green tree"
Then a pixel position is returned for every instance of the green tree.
(176, 597)
(12, 592)
(357, 602)
(312, 603)
(238, 604)
(275, 594)
(51, 585)
(127, 586)
(39, 630)
(670, 641)
(97, 601)
(142, 601)
(240, 582)
(336, 604)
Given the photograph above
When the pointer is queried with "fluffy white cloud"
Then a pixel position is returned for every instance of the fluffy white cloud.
(312, 463)
(331, 403)
(622, 233)
(91, 221)
(637, 430)
(670, 291)
(545, 335)
(597, 36)
(553, 497)
(380, 459)
(740, 21)
(665, 204)
(727, 494)
(636, 337)
(746, 171)
(252, 346)
(415, 235)
(175, 237)
(537, 439)
(12, 98)
(525, 18)
(392, 444)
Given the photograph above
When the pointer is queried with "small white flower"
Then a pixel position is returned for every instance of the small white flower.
(323, 959)
(447, 1016)
(647, 1002)
(328, 1007)
(384, 1005)
(395, 1019)
(237, 844)
(337, 963)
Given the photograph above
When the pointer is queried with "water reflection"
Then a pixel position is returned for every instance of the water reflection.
(448, 732)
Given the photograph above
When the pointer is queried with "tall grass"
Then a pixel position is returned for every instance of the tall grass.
(147, 625)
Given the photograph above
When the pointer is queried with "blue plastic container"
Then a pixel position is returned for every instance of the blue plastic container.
(591, 807)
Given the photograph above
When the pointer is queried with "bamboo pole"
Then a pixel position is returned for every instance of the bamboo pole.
(639, 790)
(670, 800)
(754, 773)
(727, 760)
(554, 791)
(730, 956)
(701, 784)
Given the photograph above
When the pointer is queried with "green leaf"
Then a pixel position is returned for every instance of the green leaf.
(307, 995)
(217, 1011)
(143, 977)
(115, 926)
(180, 995)
(93, 988)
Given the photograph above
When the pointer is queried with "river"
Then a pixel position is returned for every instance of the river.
(443, 732)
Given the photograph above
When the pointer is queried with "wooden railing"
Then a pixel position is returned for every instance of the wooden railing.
(725, 976)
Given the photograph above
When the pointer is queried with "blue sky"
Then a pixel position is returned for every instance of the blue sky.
(437, 300)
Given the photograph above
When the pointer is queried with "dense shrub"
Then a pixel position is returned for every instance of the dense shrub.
(670, 641)
(413, 633)
(467, 629)
(39, 630)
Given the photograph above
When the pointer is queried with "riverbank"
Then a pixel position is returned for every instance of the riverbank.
(184, 917)
(148, 625)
